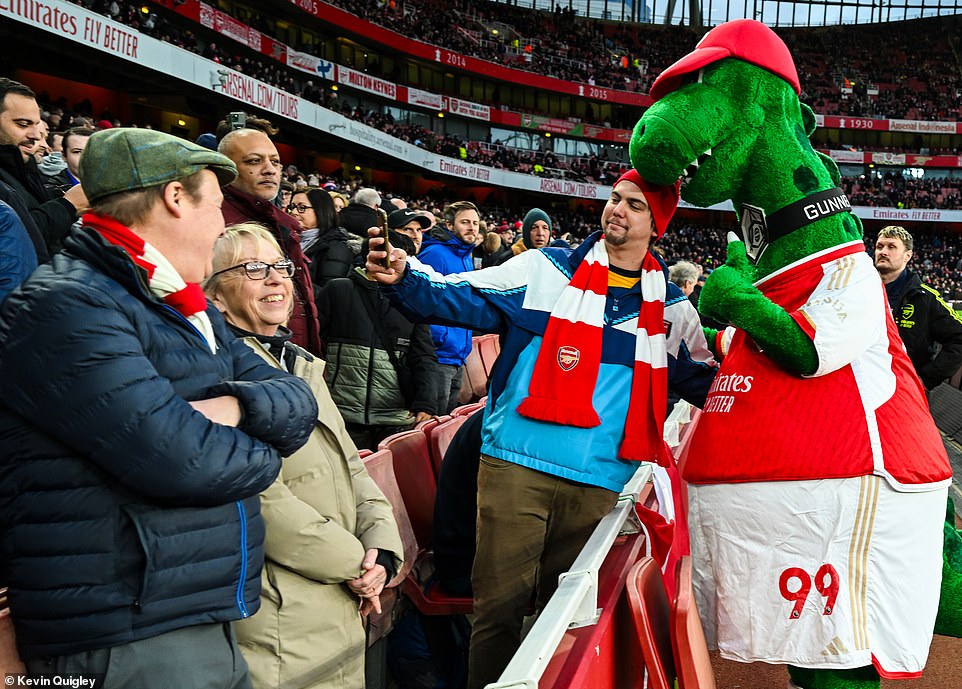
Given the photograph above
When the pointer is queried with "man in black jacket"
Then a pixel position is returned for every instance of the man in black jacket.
(930, 328)
(137, 434)
(19, 133)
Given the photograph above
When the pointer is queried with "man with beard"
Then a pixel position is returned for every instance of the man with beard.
(592, 339)
(20, 130)
(930, 328)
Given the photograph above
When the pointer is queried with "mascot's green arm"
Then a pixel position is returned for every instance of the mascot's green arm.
(729, 296)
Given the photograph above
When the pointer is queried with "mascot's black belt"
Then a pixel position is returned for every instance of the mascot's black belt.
(758, 231)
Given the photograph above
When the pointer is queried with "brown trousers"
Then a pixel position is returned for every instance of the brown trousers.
(531, 527)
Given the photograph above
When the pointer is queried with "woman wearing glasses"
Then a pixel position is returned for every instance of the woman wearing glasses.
(331, 542)
(322, 241)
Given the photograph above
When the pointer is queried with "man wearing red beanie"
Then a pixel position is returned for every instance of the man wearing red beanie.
(592, 339)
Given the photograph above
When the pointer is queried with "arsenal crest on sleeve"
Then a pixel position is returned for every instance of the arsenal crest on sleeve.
(568, 357)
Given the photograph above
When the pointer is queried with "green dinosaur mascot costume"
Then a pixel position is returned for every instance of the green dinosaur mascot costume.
(815, 518)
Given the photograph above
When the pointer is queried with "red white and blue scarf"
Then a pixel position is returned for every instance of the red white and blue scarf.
(566, 371)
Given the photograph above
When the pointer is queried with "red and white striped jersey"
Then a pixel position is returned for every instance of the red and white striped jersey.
(862, 412)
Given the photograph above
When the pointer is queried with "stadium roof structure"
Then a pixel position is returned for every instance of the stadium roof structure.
(771, 12)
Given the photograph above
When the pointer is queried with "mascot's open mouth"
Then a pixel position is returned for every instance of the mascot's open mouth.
(693, 166)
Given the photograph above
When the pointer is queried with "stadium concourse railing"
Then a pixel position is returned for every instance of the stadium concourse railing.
(580, 639)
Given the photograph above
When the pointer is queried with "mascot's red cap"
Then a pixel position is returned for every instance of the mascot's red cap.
(662, 198)
(745, 39)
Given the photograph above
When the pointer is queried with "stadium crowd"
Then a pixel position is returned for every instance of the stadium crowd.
(282, 289)
(693, 242)
(840, 75)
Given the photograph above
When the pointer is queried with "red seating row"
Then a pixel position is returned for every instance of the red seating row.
(415, 458)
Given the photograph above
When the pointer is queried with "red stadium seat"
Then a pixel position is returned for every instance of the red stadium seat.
(380, 467)
(431, 423)
(416, 480)
(439, 437)
(415, 477)
(469, 408)
(488, 346)
(650, 613)
(688, 635)
(423, 590)
(474, 385)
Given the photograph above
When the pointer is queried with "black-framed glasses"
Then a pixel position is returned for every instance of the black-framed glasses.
(299, 207)
(258, 270)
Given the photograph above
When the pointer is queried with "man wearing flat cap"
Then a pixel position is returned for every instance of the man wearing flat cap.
(137, 433)
(591, 340)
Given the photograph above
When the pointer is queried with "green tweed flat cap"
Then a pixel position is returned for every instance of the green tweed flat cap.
(124, 159)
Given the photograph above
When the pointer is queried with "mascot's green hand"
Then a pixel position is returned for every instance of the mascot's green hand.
(730, 297)
(717, 298)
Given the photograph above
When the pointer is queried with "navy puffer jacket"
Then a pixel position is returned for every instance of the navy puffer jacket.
(124, 513)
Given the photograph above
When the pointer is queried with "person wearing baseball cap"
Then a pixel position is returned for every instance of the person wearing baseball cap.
(410, 223)
(577, 398)
(745, 39)
(138, 432)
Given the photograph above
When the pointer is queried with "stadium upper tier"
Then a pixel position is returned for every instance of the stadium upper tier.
(228, 76)
(905, 70)
(712, 12)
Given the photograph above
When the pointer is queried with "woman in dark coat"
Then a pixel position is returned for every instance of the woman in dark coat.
(326, 245)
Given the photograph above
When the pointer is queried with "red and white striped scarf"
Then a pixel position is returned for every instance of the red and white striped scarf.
(565, 374)
(162, 278)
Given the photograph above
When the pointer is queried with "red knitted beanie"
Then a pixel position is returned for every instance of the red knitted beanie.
(662, 199)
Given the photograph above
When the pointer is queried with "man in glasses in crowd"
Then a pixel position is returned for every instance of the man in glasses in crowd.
(250, 197)
(138, 433)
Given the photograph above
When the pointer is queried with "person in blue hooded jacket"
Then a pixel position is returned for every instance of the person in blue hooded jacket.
(448, 250)
(17, 256)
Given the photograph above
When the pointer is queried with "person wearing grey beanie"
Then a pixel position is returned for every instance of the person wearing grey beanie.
(535, 231)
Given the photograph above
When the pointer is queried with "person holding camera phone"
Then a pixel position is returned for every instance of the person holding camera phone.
(381, 368)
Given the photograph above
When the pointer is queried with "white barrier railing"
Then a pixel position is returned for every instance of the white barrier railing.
(575, 602)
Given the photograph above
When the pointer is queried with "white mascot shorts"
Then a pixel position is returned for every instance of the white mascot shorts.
(838, 573)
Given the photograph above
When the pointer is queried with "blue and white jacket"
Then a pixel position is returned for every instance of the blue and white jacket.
(516, 299)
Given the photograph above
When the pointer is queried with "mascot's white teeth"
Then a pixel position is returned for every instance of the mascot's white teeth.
(693, 167)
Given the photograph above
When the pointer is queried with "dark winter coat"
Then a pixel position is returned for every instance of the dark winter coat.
(125, 513)
(331, 257)
(930, 328)
(52, 214)
(356, 218)
(17, 256)
(363, 382)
